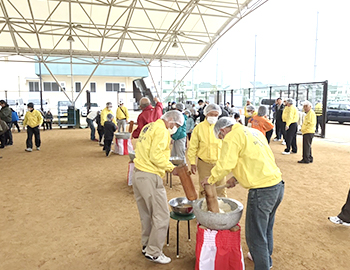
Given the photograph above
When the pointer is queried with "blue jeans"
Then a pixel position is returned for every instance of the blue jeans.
(92, 127)
(260, 217)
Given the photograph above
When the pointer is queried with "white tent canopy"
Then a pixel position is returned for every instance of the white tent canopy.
(93, 31)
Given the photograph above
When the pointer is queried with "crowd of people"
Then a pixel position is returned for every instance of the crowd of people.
(216, 142)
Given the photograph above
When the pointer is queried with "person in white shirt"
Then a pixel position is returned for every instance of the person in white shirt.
(90, 118)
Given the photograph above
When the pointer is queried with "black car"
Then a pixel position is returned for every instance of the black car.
(338, 111)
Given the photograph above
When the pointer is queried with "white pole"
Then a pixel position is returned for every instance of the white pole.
(254, 72)
(315, 63)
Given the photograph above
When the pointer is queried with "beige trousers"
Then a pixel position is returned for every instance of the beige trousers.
(153, 208)
(203, 172)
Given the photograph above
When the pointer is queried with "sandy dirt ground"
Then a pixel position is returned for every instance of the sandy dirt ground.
(69, 207)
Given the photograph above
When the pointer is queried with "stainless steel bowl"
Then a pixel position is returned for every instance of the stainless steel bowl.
(181, 206)
(218, 221)
(177, 160)
(122, 135)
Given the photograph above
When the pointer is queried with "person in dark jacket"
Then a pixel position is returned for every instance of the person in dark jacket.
(224, 112)
(48, 117)
(201, 115)
(279, 126)
(6, 115)
(15, 119)
(109, 128)
(99, 128)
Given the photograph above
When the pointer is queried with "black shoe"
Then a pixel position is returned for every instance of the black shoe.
(303, 161)
(2, 146)
(293, 152)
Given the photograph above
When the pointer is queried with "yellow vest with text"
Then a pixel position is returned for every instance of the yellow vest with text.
(309, 123)
(204, 144)
(290, 115)
(246, 153)
(152, 152)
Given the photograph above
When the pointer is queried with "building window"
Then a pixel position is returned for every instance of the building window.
(51, 86)
(92, 87)
(77, 87)
(112, 87)
(33, 86)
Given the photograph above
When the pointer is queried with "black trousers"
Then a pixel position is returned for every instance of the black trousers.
(48, 124)
(318, 122)
(101, 132)
(345, 211)
(307, 152)
(16, 125)
(291, 138)
(246, 119)
(107, 146)
(279, 129)
(268, 135)
(30, 132)
(8, 135)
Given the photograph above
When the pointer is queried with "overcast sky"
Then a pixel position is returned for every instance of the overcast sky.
(285, 45)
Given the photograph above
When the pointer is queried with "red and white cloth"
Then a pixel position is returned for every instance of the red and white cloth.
(123, 146)
(219, 250)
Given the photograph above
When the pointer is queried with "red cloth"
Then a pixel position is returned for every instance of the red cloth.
(148, 115)
(218, 250)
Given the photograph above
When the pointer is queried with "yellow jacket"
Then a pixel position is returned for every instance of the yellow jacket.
(122, 113)
(152, 152)
(204, 144)
(309, 123)
(104, 113)
(33, 119)
(290, 115)
(246, 153)
(318, 109)
(246, 115)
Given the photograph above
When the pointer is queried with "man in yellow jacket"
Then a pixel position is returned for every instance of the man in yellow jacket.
(33, 119)
(308, 131)
(104, 113)
(318, 112)
(152, 156)
(246, 153)
(122, 117)
(291, 116)
(206, 147)
(247, 115)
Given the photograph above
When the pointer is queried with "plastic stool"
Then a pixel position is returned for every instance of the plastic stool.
(180, 218)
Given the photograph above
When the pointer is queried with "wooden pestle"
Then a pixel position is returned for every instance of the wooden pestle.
(186, 181)
(131, 126)
(212, 198)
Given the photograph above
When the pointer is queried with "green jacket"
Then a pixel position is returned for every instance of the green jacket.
(6, 114)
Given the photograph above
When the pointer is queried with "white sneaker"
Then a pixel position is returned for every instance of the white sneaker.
(29, 149)
(275, 139)
(285, 153)
(160, 259)
(38, 148)
(283, 143)
(337, 220)
(280, 140)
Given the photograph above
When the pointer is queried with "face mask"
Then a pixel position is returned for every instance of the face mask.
(173, 106)
(172, 130)
(250, 114)
(110, 107)
(212, 119)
